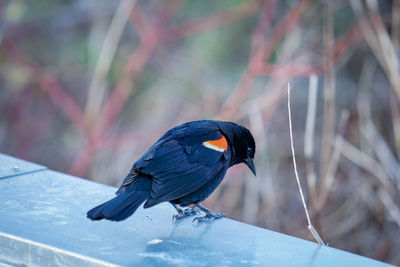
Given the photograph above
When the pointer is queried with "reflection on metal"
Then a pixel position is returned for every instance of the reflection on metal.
(43, 222)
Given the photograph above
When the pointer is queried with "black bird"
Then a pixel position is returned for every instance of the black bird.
(183, 167)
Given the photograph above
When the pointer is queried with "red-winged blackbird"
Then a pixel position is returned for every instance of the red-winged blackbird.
(183, 167)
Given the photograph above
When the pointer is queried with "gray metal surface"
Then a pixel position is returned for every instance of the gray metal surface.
(10, 166)
(43, 222)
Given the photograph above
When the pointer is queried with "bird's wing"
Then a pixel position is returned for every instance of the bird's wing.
(127, 181)
(184, 162)
(188, 133)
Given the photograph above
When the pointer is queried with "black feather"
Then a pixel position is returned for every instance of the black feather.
(124, 204)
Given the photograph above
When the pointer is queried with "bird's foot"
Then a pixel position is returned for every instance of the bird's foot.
(208, 216)
(185, 213)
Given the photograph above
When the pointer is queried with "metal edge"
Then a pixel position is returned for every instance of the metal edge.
(24, 173)
(67, 253)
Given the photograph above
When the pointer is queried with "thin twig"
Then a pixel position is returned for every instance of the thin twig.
(378, 39)
(293, 69)
(369, 164)
(364, 161)
(387, 49)
(382, 151)
(50, 85)
(328, 127)
(390, 205)
(370, 132)
(394, 101)
(117, 100)
(395, 110)
(196, 26)
(252, 189)
(334, 161)
(395, 24)
(366, 29)
(309, 135)
(256, 62)
(239, 94)
(108, 49)
(350, 213)
(310, 226)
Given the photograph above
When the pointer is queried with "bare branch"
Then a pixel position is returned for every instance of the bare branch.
(310, 226)
(334, 161)
(390, 205)
(309, 135)
(328, 127)
(107, 53)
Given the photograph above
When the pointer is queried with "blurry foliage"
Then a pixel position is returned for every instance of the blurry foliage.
(179, 60)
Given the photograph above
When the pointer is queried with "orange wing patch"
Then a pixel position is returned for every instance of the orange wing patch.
(220, 145)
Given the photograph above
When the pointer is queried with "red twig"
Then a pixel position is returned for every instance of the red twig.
(114, 105)
(256, 62)
(63, 99)
(136, 63)
(225, 17)
(167, 11)
(266, 17)
(291, 70)
(122, 91)
(119, 96)
(151, 37)
(289, 20)
(138, 19)
(57, 93)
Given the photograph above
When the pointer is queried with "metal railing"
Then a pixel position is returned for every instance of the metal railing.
(43, 222)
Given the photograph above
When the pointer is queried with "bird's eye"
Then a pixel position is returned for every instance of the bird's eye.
(249, 151)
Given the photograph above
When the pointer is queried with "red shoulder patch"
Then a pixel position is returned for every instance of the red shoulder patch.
(220, 145)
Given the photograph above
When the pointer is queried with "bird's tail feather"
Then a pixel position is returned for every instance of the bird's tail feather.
(125, 204)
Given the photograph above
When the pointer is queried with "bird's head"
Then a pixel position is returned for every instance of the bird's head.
(242, 143)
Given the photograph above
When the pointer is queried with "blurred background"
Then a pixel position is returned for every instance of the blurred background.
(87, 86)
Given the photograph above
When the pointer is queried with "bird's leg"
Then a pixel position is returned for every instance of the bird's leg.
(209, 214)
(183, 213)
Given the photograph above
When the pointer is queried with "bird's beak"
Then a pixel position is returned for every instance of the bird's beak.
(250, 163)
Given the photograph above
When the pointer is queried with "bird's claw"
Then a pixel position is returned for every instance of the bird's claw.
(185, 213)
(208, 217)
